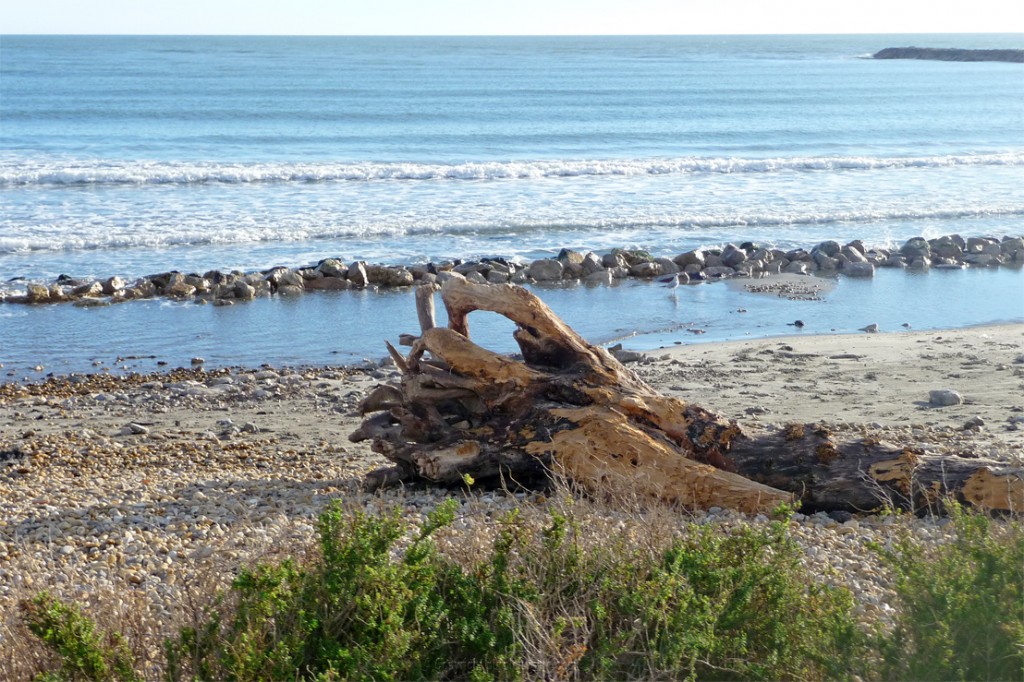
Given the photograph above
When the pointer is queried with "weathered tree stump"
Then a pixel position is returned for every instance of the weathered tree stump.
(571, 408)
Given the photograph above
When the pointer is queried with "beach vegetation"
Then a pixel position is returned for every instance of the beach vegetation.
(545, 597)
(961, 604)
(82, 650)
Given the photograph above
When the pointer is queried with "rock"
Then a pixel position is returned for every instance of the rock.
(600, 277)
(37, 293)
(569, 257)
(462, 268)
(290, 290)
(981, 260)
(645, 270)
(592, 263)
(920, 263)
(627, 356)
(946, 247)
(633, 256)
(495, 276)
(796, 268)
(829, 248)
(180, 290)
(545, 270)
(695, 257)
(870, 329)
(388, 276)
(840, 516)
(329, 283)
(987, 245)
(357, 274)
(92, 290)
(825, 262)
(290, 278)
(613, 260)
(853, 255)
(973, 424)
(668, 266)
(732, 256)
(863, 269)
(112, 285)
(197, 361)
(944, 397)
(332, 267)
(916, 247)
(1013, 249)
(720, 271)
(243, 291)
(446, 275)
(134, 429)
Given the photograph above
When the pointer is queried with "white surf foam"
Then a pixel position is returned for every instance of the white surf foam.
(31, 172)
(168, 231)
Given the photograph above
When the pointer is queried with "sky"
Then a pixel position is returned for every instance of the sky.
(508, 17)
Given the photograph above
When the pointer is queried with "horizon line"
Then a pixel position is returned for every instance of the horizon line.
(505, 35)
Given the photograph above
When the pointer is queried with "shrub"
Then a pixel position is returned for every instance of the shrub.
(84, 653)
(549, 600)
(962, 605)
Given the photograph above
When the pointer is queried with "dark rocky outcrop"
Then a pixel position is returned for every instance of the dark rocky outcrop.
(945, 54)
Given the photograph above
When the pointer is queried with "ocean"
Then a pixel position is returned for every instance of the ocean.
(135, 155)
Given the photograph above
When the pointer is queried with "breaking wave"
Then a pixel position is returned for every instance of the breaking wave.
(21, 172)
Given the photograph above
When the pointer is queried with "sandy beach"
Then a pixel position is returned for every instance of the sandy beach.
(129, 494)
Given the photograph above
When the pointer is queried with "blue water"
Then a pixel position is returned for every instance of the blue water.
(135, 155)
(124, 154)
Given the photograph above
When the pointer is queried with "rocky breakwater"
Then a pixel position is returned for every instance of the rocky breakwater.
(746, 260)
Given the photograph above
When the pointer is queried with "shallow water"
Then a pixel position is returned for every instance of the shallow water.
(333, 328)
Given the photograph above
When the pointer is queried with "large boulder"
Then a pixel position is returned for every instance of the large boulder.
(916, 247)
(357, 274)
(829, 248)
(332, 267)
(546, 270)
(946, 247)
(37, 293)
(113, 284)
(695, 257)
(864, 269)
(645, 270)
(733, 256)
(389, 276)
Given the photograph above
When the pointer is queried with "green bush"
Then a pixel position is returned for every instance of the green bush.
(84, 653)
(962, 604)
(547, 601)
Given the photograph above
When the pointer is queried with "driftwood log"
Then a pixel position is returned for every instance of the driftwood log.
(571, 408)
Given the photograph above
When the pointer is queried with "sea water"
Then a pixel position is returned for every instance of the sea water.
(136, 155)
